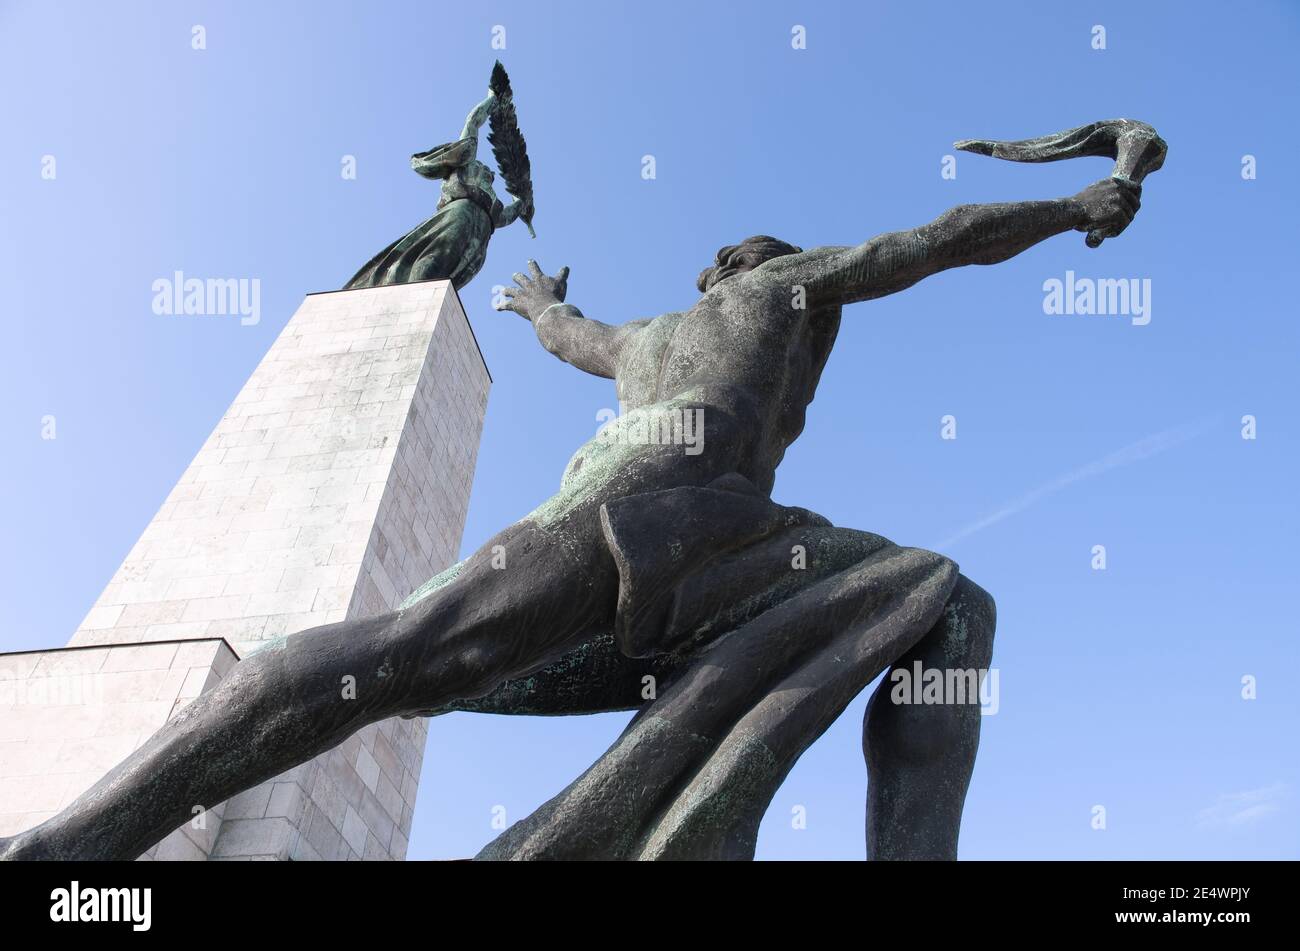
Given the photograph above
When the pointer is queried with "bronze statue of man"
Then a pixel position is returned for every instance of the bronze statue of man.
(653, 558)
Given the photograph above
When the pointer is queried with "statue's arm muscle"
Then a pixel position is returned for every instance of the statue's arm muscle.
(588, 345)
(507, 215)
(967, 234)
(477, 117)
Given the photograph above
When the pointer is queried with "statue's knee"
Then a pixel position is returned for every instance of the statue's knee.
(904, 725)
(975, 602)
(969, 621)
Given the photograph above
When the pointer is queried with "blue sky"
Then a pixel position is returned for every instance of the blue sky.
(1119, 687)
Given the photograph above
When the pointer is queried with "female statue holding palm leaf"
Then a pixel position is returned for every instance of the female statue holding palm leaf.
(452, 244)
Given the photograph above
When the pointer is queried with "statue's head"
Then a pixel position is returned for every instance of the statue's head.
(738, 258)
(479, 175)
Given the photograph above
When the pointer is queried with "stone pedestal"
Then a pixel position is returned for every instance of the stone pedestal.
(335, 484)
(69, 715)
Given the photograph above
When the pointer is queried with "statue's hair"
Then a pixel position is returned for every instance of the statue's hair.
(749, 254)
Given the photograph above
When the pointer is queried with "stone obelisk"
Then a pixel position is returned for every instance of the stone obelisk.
(336, 483)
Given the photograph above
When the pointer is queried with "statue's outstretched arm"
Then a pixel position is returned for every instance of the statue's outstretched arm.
(588, 345)
(509, 214)
(967, 234)
(478, 115)
(443, 161)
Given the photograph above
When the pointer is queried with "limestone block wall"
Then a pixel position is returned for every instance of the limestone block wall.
(266, 530)
(335, 484)
(69, 715)
(357, 801)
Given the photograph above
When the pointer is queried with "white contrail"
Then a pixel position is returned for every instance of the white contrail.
(1244, 808)
(1142, 449)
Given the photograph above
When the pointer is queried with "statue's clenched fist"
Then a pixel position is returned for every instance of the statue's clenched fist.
(535, 292)
(1108, 207)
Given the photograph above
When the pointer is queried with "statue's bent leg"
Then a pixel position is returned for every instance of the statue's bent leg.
(306, 693)
(694, 772)
(920, 755)
(531, 594)
(274, 709)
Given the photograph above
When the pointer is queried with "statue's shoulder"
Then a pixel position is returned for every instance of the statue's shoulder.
(791, 268)
(806, 268)
(652, 325)
(805, 260)
(636, 336)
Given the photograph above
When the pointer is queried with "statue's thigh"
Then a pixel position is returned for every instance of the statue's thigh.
(596, 677)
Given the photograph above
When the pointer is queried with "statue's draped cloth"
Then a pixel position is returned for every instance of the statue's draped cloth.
(451, 245)
(753, 655)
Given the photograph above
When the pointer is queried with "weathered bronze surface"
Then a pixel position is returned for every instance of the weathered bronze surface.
(660, 578)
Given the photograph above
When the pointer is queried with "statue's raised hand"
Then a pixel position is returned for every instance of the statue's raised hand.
(535, 292)
(1108, 207)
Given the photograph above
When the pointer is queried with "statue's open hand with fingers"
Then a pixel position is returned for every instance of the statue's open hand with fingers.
(535, 292)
